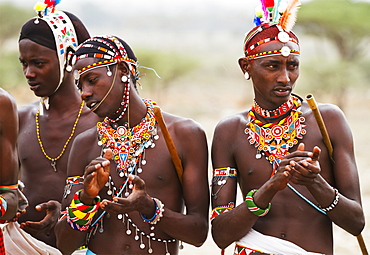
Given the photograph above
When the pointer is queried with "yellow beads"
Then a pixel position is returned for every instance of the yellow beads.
(53, 160)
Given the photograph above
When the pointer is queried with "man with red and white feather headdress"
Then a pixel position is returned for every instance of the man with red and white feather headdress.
(294, 188)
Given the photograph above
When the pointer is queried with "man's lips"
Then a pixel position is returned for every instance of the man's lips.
(93, 105)
(33, 86)
(282, 91)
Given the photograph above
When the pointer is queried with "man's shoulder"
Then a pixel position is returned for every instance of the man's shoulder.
(178, 123)
(233, 121)
(87, 135)
(28, 108)
(327, 110)
(6, 99)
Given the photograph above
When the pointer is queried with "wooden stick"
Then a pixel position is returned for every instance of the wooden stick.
(169, 142)
(325, 136)
(312, 103)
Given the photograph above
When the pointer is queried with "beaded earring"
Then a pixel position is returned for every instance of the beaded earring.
(246, 76)
(109, 72)
(124, 79)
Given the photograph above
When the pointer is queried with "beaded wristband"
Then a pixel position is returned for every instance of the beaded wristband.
(158, 214)
(85, 208)
(334, 203)
(253, 208)
(79, 215)
(3, 206)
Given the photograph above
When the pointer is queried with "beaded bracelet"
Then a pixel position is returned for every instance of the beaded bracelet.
(3, 206)
(158, 214)
(79, 215)
(334, 203)
(253, 208)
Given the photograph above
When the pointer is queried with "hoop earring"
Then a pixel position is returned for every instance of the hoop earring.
(246, 76)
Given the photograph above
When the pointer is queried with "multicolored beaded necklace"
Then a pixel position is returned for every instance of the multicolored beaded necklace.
(276, 113)
(128, 146)
(275, 139)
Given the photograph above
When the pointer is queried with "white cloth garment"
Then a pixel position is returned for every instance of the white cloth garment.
(272, 245)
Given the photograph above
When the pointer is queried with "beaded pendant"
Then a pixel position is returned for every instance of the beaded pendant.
(275, 139)
(129, 144)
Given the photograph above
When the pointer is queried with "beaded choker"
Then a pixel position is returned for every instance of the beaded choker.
(275, 139)
(271, 114)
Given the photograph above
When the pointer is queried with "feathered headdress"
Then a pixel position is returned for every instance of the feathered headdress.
(43, 8)
(274, 20)
(280, 12)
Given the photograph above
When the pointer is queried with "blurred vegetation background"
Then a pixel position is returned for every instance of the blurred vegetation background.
(194, 47)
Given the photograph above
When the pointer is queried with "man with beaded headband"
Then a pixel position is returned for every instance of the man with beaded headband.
(125, 162)
(48, 128)
(293, 190)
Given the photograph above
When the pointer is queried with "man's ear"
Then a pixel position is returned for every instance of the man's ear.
(244, 65)
(123, 68)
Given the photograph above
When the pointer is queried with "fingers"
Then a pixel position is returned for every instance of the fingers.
(108, 154)
(102, 164)
(50, 205)
(304, 169)
(139, 183)
(316, 153)
(99, 164)
(118, 205)
(300, 147)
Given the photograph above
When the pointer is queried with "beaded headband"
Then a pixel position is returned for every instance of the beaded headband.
(274, 21)
(108, 48)
(62, 28)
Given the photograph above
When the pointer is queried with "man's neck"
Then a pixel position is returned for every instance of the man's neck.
(135, 112)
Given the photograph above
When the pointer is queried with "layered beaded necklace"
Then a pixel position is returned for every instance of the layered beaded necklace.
(128, 146)
(54, 160)
(275, 139)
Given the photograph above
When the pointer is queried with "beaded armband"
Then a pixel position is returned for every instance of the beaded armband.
(158, 214)
(225, 172)
(253, 208)
(79, 215)
(221, 209)
(3, 206)
(333, 204)
(9, 187)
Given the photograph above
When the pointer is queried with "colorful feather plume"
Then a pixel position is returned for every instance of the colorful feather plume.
(289, 16)
(44, 8)
(275, 12)
(267, 6)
